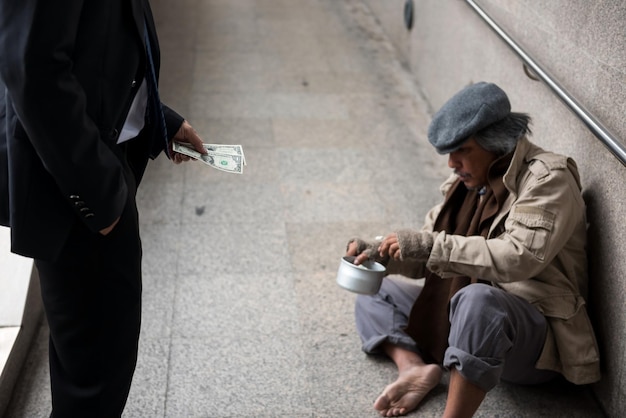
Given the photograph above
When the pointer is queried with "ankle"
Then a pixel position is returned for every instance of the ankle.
(404, 359)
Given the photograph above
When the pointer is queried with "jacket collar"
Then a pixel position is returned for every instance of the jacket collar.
(525, 151)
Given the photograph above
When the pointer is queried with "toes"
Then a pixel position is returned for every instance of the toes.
(382, 403)
(393, 412)
(397, 412)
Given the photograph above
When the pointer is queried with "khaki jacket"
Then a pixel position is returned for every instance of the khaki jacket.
(536, 250)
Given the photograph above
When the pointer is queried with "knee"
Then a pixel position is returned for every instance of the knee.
(477, 315)
(477, 309)
(472, 300)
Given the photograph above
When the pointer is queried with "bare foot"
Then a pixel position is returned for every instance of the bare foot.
(403, 395)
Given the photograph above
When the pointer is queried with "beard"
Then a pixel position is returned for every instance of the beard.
(463, 177)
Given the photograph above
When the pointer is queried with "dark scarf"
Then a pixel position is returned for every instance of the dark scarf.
(463, 213)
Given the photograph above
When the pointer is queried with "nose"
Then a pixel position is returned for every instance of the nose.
(453, 162)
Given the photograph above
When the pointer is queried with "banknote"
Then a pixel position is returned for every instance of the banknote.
(230, 161)
(227, 150)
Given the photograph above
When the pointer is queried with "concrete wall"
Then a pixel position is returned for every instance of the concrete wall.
(582, 44)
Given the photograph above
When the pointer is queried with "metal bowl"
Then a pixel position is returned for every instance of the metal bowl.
(365, 278)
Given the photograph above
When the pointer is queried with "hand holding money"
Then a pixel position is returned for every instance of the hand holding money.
(188, 136)
(228, 158)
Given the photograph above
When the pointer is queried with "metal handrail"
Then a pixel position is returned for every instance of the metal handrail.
(600, 131)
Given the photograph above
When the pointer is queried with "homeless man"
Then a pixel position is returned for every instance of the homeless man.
(503, 257)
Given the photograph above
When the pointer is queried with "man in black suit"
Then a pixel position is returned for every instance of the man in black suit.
(82, 118)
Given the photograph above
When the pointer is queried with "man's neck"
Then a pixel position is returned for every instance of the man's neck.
(481, 190)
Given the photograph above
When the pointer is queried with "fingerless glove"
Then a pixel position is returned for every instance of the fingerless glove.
(415, 244)
(368, 247)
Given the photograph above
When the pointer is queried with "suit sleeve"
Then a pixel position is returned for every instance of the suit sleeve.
(173, 122)
(37, 42)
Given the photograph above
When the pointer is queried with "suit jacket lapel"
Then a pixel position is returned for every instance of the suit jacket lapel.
(144, 19)
(138, 16)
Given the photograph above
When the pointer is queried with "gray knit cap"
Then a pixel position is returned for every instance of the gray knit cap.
(467, 112)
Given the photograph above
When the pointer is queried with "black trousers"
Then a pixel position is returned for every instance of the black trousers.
(92, 300)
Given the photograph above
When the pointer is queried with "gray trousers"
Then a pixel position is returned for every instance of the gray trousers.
(494, 335)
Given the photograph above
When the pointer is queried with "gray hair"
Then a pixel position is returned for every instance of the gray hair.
(501, 137)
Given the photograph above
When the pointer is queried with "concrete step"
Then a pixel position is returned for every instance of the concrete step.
(20, 315)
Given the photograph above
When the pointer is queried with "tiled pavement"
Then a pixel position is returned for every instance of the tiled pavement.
(242, 317)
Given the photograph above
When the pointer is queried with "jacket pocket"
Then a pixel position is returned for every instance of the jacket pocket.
(533, 228)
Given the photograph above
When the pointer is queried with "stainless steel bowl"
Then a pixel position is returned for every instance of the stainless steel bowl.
(365, 278)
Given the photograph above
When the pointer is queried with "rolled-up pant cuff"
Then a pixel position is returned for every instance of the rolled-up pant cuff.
(483, 372)
(495, 334)
(374, 345)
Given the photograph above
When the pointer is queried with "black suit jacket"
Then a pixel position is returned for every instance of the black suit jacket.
(71, 70)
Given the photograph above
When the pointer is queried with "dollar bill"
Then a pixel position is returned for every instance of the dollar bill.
(226, 150)
(230, 161)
